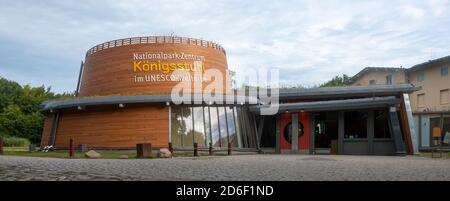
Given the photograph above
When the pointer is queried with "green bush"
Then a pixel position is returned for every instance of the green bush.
(15, 142)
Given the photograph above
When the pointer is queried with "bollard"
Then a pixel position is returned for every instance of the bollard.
(31, 148)
(71, 148)
(171, 148)
(210, 149)
(195, 149)
(229, 148)
(1, 145)
(144, 150)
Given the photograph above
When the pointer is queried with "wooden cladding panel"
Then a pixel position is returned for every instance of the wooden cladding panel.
(48, 123)
(110, 71)
(115, 128)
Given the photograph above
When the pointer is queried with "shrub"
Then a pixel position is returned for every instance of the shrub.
(15, 141)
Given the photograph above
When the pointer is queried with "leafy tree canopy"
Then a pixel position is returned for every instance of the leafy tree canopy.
(337, 81)
(19, 109)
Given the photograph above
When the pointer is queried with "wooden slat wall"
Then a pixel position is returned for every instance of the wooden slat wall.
(110, 71)
(47, 129)
(115, 127)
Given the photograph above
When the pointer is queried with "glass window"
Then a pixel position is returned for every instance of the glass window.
(381, 124)
(207, 126)
(444, 96)
(435, 129)
(244, 127)
(420, 100)
(231, 127)
(177, 126)
(199, 128)
(239, 128)
(420, 77)
(355, 125)
(215, 125)
(215, 132)
(372, 82)
(188, 137)
(446, 131)
(389, 79)
(223, 127)
(444, 71)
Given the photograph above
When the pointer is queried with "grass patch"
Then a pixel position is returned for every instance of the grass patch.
(14, 149)
(106, 154)
(11, 141)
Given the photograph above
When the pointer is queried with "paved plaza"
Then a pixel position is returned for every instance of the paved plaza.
(239, 167)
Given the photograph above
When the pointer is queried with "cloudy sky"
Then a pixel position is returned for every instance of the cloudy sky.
(43, 42)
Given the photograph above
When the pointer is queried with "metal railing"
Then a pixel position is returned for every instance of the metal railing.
(154, 40)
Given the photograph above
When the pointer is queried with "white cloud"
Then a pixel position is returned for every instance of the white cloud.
(310, 41)
(412, 11)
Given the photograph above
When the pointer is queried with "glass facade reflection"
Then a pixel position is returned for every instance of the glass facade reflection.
(218, 125)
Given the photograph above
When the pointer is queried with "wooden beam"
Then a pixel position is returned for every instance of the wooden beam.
(406, 130)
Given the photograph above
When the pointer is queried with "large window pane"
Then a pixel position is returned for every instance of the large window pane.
(207, 126)
(231, 127)
(214, 127)
(177, 126)
(238, 128)
(381, 125)
(446, 131)
(355, 125)
(188, 134)
(435, 128)
(223, 127)
(199, 129)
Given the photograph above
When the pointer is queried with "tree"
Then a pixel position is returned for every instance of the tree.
(232, 77)
(337, 81)
(10, 92)
(19, 109)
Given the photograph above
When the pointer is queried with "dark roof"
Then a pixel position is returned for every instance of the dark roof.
(346, 91)
(428, 63)
(326, 92)
(155, 98)
(333, 105)
(371, 69)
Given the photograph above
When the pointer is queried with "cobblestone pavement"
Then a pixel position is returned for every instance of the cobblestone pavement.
(243, 167)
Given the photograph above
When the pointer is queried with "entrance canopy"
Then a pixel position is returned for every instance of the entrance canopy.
(226, 99)
(333, 105)
(338, 98)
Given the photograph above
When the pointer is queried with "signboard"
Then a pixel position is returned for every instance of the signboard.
(159, 66)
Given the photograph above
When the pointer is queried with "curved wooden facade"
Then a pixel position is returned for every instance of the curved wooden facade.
(109, 70)
(114, 127)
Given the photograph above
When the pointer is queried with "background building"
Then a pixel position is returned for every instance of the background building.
(379, 76)
(430, 104)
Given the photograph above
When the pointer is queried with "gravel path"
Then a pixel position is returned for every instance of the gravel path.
(243, 167)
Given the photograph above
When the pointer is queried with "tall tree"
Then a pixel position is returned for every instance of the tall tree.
(337, 81)
(19, 109)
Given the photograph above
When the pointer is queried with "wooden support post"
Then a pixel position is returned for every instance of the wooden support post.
(1, 145)
(71, 148)
(210, 149)
(144, 150)
(171, 148)
(195, 149)
(229, 149)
